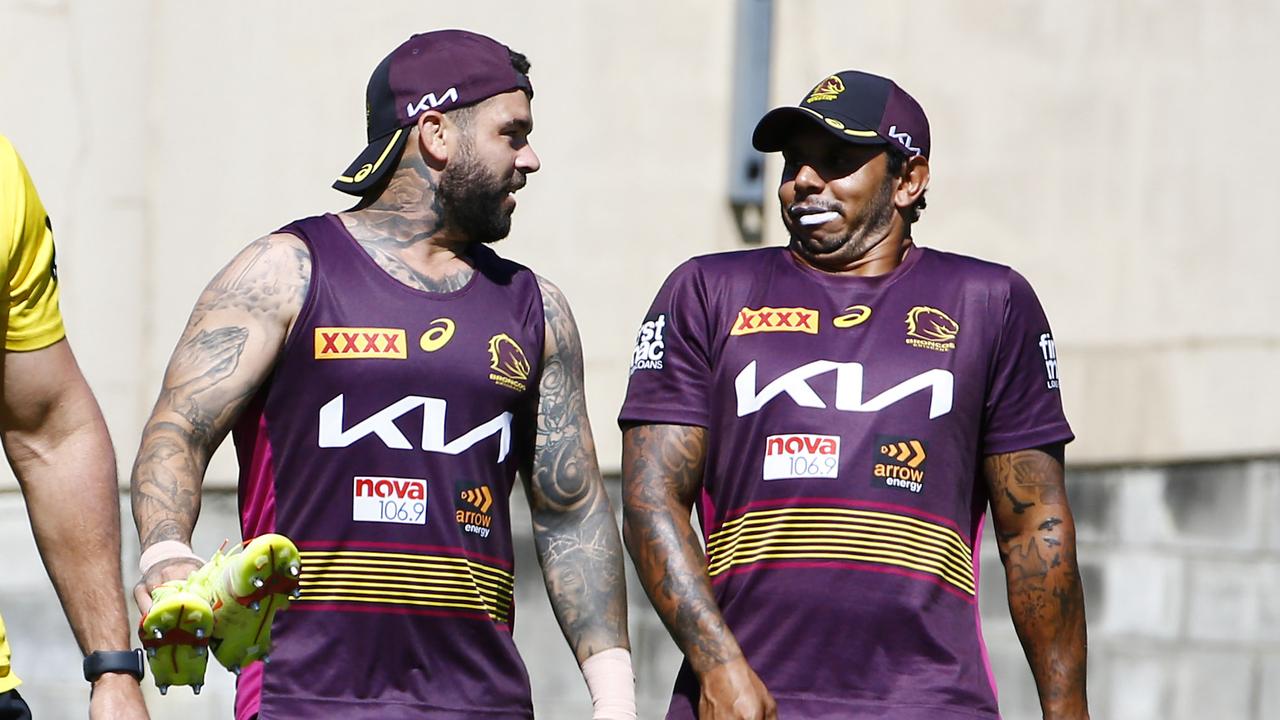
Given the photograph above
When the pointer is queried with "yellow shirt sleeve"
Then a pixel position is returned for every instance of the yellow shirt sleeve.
(27, 255)
(8, 680)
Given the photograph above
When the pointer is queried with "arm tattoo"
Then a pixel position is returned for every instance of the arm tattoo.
(250, 303)
(574, 529)
(662, 469)
(158, 492)
(1015, 505)
(407, 214)
(267, 278)
(1036, 535)
(198, 366)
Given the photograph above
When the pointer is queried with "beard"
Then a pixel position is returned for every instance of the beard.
(472, 197)
(870, 228)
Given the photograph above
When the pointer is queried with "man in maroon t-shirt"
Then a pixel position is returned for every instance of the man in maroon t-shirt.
(840, 412)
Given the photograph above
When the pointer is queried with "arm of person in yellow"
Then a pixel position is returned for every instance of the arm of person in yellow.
(57, 444)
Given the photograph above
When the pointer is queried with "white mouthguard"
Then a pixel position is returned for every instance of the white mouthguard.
(818, 218)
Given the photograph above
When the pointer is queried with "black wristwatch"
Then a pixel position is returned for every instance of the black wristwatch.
(99, 662)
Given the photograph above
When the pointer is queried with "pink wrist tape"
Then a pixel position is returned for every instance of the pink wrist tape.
(165, 550)
(612, 684)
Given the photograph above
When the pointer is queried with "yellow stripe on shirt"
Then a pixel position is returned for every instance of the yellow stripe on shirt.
(842, 534)
(407, 579)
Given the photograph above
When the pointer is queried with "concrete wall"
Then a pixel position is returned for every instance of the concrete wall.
(1182, 568)
(1117, 152)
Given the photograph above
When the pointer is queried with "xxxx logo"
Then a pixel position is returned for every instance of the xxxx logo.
(343, 343)
(480, 497)
(768, 319)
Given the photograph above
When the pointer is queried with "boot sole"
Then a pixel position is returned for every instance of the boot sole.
(259, 581)
(176, 634)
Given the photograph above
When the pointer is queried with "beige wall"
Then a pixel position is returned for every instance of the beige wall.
(1117, 153)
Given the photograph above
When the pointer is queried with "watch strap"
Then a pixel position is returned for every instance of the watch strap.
(100, 662)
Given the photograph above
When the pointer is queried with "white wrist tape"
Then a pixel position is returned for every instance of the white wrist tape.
(165, 550)
(612, 684)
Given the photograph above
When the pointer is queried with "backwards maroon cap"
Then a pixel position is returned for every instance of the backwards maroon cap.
(856, 107)
(442, 70)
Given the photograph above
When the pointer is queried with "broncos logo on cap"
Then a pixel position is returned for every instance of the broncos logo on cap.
(828, 89)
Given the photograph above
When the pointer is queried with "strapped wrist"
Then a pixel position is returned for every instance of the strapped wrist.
(612, 684)
(163, 551)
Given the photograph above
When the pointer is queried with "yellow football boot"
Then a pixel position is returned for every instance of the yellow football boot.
(245, 588)
(176, 634)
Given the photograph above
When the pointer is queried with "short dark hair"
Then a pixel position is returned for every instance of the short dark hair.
(462, 116)
(519, 61)
(895, 162)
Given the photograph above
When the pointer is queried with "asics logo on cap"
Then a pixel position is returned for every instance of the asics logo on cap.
(429, 102)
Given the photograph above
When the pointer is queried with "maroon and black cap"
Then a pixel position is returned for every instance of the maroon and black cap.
(856, 107)
(441, 70)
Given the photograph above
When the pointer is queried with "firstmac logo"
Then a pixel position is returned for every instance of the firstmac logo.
(650, 347)
(1049, 351)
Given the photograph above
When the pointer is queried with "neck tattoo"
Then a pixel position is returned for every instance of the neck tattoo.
(405, 217)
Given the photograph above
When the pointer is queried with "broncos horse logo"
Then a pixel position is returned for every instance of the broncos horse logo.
(828, 89)
(931, 328)
(508, 362)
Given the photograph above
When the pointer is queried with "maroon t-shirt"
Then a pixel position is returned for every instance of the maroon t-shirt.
(385, 444)
(842, 503)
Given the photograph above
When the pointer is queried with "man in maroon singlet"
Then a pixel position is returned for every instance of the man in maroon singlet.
(841, 411)
(387, 376)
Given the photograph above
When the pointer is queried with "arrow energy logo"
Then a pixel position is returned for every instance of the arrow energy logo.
(472, 510)
(900, 463)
